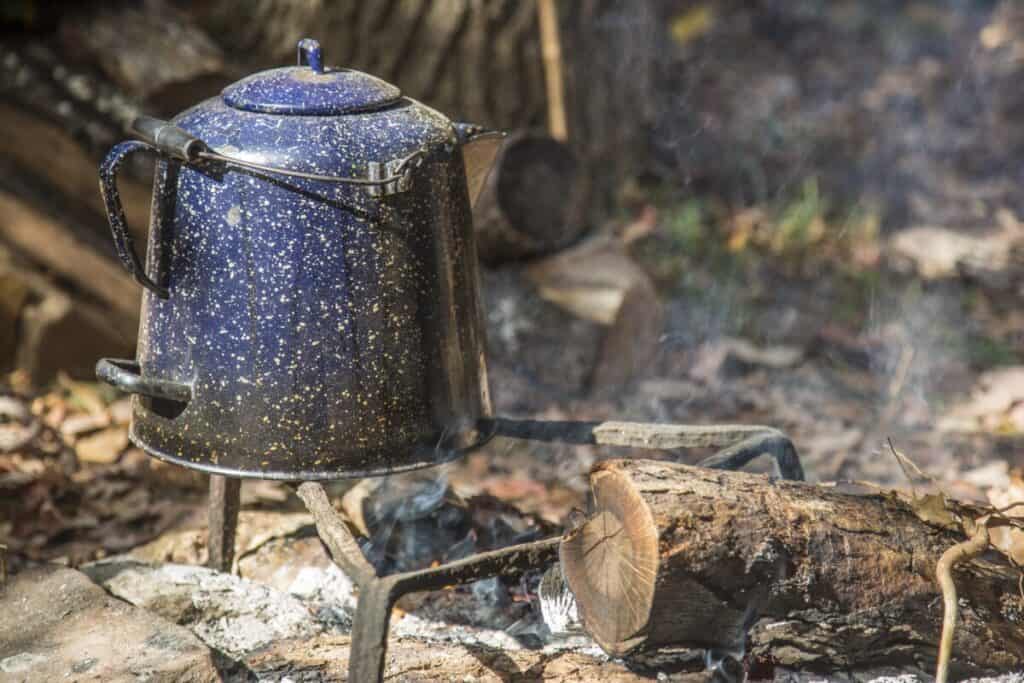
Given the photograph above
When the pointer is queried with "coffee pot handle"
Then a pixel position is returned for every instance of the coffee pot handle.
(126, 375)
(123, 241)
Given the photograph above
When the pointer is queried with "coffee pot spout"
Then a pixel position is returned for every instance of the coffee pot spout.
(480, 149)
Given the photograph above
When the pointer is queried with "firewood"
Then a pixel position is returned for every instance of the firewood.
(50, 329)
(792, 574)
(47, 242)
(154, 52)
(533, 202)
(68, 169)
(598, 280)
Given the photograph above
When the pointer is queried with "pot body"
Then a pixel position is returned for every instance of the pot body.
(323, 332)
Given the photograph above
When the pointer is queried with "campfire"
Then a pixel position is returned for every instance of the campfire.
(661, 390)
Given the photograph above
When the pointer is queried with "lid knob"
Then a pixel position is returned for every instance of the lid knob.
(309, 52)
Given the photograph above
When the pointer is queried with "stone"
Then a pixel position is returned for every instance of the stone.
(301, 567)
(255, 528)
(230, 614)
(57, 625)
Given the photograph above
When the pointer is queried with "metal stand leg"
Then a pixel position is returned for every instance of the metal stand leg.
(739, 443)
(225, 494)
(774, 444)
(378, 594)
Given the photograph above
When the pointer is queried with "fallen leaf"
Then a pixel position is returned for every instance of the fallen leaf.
(82, 395)
(103, 447)
(1009, 541)
(692, 24)
(931, 509)
(83, 423)
(512, 489)
(643, 226)
(996, 404)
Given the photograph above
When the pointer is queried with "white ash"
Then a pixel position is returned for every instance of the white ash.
(20, 663)
(230, 614)
(329, 593)
(413, 626)
(558, 604)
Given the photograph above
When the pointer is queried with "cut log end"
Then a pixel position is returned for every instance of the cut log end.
(612, 561)
(790, 574)
(534, 200)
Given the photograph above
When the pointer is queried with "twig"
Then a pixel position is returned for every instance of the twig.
(339, 540)
(3, 563)
(902, 369)
(904, 462)
(551, 49)
(1003, 510)
(960, 552)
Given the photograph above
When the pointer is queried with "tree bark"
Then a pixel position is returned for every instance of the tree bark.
(792, 574)
(481, 61)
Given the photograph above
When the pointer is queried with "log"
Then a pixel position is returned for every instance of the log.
(598, 280)
(534, 347)
(45, 329)
(534, 200)
(67, 169)
(49, 243)
(151, 51)
(791, 574)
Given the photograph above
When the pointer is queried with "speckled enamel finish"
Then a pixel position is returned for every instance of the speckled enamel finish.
(324, 332)
(301, 90)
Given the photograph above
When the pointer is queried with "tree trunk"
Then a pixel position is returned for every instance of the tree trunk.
(796, 575)
(480, 60)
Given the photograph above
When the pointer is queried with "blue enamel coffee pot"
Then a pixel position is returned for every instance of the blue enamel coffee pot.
(311, 305)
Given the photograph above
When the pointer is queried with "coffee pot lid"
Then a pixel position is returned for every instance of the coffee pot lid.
(310, 89)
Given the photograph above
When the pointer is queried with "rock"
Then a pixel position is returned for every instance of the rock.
(230, 614)
(255, 528)
(301, 567)
(56, 625)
